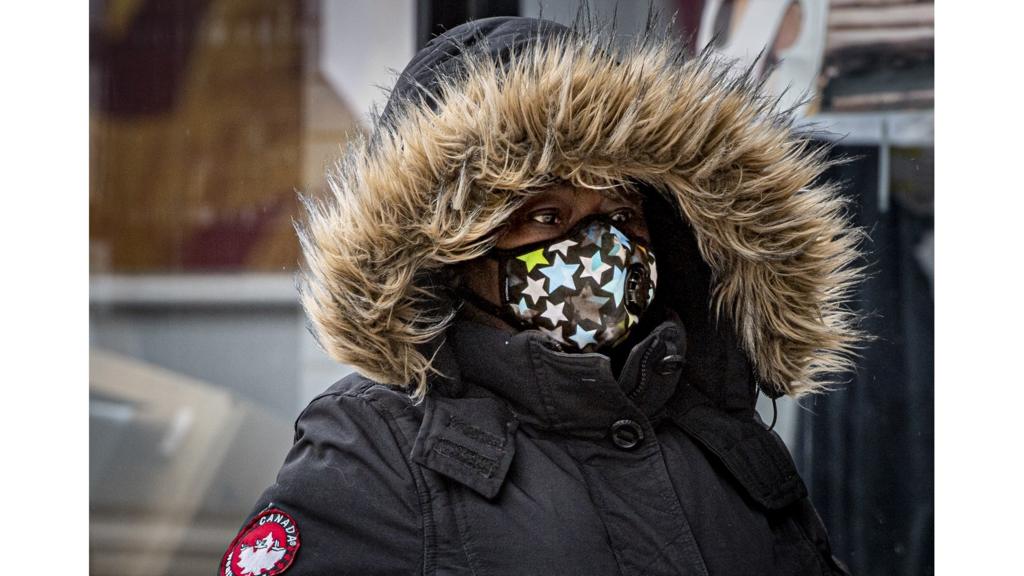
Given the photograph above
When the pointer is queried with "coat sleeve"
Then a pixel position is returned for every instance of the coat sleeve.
(348, 491)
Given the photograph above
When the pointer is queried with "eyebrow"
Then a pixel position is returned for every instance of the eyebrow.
(625, 196)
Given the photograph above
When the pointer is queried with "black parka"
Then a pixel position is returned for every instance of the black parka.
(535, 461)
(465, 449)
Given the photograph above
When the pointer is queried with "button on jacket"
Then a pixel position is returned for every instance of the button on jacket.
(461, 448)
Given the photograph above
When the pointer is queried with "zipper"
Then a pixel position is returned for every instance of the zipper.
(635, 392)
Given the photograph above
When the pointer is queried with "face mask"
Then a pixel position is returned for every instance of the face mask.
(586, 289)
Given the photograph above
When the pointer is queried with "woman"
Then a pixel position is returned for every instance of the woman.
(563, 271)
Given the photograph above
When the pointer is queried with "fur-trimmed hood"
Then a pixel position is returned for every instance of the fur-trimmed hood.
(496, 110)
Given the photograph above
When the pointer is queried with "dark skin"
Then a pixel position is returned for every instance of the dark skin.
(547, 215)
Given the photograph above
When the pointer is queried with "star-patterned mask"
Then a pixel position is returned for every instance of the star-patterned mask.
(586, 289)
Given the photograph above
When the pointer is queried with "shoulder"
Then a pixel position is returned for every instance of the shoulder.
(356, 389)
(359, 414)
(356, 385)
(346, 486)
(358, 399)
(350, 428)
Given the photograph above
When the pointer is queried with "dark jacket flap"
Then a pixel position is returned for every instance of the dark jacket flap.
(756, 457)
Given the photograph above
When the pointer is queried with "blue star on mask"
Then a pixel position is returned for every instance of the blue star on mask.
(621, 237)
(560, 274)
(616, 286)
(593, 235)
(523, 308)
(617, 251)
(583, 337)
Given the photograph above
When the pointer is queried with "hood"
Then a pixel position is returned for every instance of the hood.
(759, 253)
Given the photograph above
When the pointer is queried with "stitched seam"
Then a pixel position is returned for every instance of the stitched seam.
(482, 464)
(765, 495)
(465, 530)
(427, 520)
(721, 455)
(542, 386)
(599, 503)
(660, 552)
(356, 392)
(810, 545)
(671, 500)
(475, 433)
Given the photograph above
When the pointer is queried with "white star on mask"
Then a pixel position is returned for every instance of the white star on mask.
(535, 289)
(554, 313)
(562, 247)
(555, 334)
(595, 271)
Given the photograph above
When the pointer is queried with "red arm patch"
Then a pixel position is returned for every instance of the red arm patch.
(264, 547)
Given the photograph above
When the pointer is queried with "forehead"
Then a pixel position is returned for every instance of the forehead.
(567, 192)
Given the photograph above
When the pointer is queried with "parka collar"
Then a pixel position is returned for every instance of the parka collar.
(504, 379)
(568, 392)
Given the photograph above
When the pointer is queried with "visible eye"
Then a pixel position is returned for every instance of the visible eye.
(623, 216)
(546, 217)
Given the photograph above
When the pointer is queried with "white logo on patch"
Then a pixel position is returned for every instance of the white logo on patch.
(259, 559)
(265, 547)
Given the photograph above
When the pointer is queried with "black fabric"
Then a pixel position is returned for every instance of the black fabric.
(435, 17)
(515, 469)
(419, 82)
(756, 457)
(346, 484)
(470, 441)
(716, 365)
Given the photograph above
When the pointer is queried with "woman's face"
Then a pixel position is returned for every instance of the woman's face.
(550, 214)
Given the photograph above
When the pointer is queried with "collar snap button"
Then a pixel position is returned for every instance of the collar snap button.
(627, 434)
(670, 364)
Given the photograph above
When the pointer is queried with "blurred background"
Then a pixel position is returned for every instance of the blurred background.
(206, 118)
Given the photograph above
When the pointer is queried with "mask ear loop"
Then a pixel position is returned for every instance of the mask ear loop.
(480, 302)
